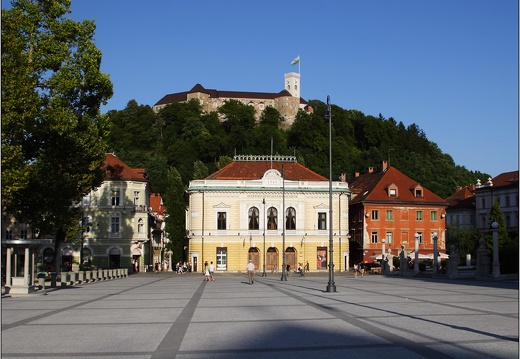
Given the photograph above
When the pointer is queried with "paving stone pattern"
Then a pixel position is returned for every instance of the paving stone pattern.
(165, 315)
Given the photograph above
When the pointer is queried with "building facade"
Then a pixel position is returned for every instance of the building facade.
(263, 207)
(461, 208)
(115, 218)
(389, 209)
(503, 188)
(287, 102)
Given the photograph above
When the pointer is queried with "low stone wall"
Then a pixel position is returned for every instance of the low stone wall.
(83, 277)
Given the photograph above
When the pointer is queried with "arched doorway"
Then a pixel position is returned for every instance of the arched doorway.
(290, 258)
(271, 259)
(254, 255)
(136, 260)
(87, 259)
(66, 260)
(114, 258)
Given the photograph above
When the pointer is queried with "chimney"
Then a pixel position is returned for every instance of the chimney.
(357, 174)
(370, 169)
(384, 166)
(343, 177)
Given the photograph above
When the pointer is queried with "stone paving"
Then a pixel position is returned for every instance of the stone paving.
(166, 315)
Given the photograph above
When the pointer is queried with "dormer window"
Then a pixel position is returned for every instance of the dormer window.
(417, 191)
(392, 191)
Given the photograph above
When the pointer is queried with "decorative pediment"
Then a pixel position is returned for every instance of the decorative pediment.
(222, 205)
(272, 174)
(321, 206)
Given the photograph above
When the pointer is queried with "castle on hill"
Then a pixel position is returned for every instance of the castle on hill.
(287, 102)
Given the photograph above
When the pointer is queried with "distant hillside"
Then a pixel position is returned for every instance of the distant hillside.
(193, 142)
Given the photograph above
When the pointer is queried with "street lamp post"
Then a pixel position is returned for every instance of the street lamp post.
(263, 273)
(284, 226)
(416, 260)
(331, 286)
(435, 253)
(383, 266)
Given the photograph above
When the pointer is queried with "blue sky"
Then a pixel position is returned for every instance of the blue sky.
(449, 66)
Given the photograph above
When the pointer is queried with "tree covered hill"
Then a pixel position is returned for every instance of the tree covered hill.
(181, 136)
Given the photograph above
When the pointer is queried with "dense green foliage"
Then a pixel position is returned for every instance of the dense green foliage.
(182, 137)
(53, 136)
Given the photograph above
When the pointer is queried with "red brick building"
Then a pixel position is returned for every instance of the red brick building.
(391, 207)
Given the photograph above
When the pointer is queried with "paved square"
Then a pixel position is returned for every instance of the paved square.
(165, 315)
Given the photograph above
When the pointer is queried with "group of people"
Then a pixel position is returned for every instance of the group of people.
(182, 267)
(209, 270)
(359, 268)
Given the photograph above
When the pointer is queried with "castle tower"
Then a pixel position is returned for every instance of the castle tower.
(292, 83)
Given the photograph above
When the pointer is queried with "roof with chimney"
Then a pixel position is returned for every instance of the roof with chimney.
(376, 186)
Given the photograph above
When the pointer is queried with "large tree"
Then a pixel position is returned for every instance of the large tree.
(53, 136)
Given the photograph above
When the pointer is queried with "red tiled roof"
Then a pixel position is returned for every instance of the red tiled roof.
(373, 187)
(463, 198)
(506, 179)
(183, 96)
(115, 169)
(155, 204)
(244, 170)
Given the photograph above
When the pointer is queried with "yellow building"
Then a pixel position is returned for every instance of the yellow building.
(240, 212)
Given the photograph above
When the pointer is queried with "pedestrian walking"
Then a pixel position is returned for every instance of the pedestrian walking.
(211, 271)
(250, 271)
(206, 273)
(355, 270)
(362, 268)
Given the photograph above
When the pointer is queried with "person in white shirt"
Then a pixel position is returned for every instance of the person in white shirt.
(211, 271)
(250, 271)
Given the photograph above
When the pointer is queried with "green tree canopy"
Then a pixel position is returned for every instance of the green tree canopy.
(53, 136)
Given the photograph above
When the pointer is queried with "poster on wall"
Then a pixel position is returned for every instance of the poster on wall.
(321, 258)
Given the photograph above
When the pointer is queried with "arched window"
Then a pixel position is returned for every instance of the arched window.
(253, 218)
(272, 218)
(140, 225)
(290, 219)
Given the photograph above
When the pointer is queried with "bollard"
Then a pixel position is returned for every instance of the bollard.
(88, 276)
(64, 279)
(41, 282)
(94, 274)
(53, 279)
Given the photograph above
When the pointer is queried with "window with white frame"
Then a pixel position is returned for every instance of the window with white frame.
(221, 220)
(419, 215)
(374, 237)
(114, 224)
(389, 237)
(115, 196)
(23, 233)
(137, 195)
(389, 215)
(322, 220)
(253, 217)
(375, 215)
(272, 218)
(290, 219)
(9, 234)
(140, 225)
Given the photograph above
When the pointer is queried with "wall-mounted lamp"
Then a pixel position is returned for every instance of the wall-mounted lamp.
(443, 215)
(367, 214)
